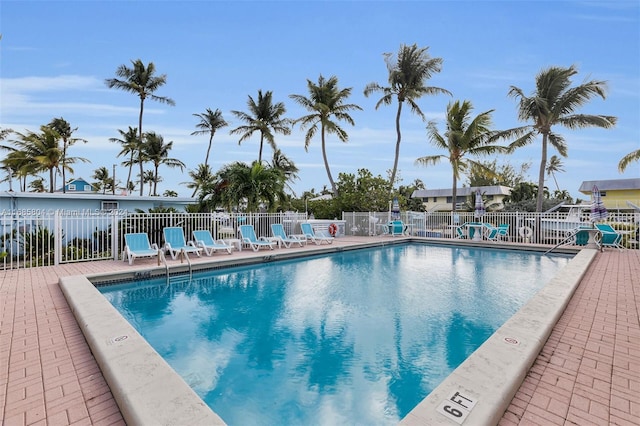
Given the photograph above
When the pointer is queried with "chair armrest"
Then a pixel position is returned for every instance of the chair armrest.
(153, 246)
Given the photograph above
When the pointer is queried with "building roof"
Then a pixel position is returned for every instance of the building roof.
(609, 185)
(462, 192)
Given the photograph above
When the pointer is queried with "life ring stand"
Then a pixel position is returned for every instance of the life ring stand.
(333, 229)
(525, 232)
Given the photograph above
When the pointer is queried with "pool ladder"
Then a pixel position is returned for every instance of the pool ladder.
(183, 255)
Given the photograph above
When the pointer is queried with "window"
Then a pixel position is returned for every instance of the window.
(603, 193)
(87, 188)
(72, 187)
(109, 205)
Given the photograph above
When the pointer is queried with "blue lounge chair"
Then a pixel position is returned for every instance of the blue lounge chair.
(497, 233)
(310, 234)
(204, 240)
(175, 243)
(138, 245)
(610, 237)
(581, 237)
(283, 239)
(249, 238)
(468, 230)
(396, 227)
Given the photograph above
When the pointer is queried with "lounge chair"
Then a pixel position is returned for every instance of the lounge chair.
(396, 227)
(249, 238)
(610, 237)
(497, 233)
(310, 234)
(283, 239)
(582, 236)
(204, 240)
(175, 243)
(468, 230)
(138, 245)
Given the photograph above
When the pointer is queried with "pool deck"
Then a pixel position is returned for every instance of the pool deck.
(588, 372)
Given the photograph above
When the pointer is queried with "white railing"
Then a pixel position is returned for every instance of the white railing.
(524, 227)
(64, 237)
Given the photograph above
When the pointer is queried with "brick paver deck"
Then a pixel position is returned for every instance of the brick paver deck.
(587, 374)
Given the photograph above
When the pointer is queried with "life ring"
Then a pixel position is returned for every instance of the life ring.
(333, 229)
(525, 232)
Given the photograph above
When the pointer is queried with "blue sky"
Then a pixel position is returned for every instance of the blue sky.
(55, 57)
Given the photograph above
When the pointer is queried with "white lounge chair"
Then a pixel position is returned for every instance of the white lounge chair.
(286, 240)
(175, 243)
(248, 234)
(310, 234)
(204, 240)
(138, 245)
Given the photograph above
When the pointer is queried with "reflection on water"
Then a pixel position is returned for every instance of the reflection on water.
(361, 335)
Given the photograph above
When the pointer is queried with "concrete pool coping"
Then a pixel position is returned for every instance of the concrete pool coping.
(149, 391)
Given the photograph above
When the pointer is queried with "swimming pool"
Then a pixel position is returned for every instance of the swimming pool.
(286, 342)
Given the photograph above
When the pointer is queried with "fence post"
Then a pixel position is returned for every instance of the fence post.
(57, 238)
(114, 236)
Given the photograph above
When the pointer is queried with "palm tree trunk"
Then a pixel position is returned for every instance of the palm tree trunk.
(556, 181)
(206, 159)
(260, 151)
(64, 161)
(130, 169)
(399, 135)
(326, 164)
(51, 174)
(140, 141)
(454, 192)
(155, 180)
(543, 166)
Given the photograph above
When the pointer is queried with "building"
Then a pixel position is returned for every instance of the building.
(79, 202)
(442, 199)
(615, 193)
(78, 185)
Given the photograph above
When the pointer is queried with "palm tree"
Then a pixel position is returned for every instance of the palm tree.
(157, 152)
(42, 150)
(254, 185)
(464, 137)
(65, 131)
(103, 179)
(143, 82)
(554, 102)
(149, 177)
(210, 121)
(407, 77)
(37, 185)
(627, 159)
(286, 166)
(265, 117)
(555, 165)
(17, 165)
(131, 146)
(199, 178)
(325, 101)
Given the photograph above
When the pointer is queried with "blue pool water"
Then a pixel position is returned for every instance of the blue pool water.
(358, 336)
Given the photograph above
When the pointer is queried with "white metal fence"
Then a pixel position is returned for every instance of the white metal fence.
(524, 227)
(36, 240)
